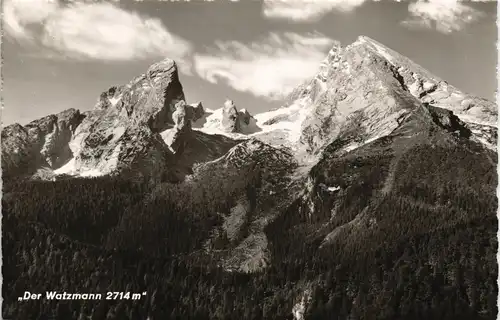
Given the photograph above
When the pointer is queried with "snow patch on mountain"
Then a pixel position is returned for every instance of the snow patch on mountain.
(428, 88)
(168, 136)
(279, 127)
(329, 188)
(115, 100)
(285, 123)
(227, 121)
(360, 94)
(364, 80)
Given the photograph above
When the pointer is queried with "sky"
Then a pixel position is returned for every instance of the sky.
(60, 54)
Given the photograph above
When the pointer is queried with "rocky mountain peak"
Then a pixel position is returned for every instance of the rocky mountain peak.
(230, 117)
(40, 143)
(198, 110)
(228, 104)
(245, 116)
(147, 105)
(149, 98)
(183, 117)
(122, 130)
(428, 88)
(234, 121)
(161, 67)
(360, 92)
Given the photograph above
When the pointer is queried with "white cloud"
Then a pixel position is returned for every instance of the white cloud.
(271, 68)
(445, 16)
(306, 10)
(19, 14)
(82, 30)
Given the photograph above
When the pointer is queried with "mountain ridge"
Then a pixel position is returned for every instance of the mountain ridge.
(361, 90)
(369, 194)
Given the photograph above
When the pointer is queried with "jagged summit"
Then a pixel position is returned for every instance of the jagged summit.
(360, 93)
(40, 143)
(361, 90)
(378, 47)
(120, 134)
(431, 89)
(161, 66)
(228, 121)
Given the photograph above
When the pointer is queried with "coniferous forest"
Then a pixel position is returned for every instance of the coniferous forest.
(431, 254)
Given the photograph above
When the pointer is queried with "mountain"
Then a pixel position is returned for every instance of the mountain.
(140, 129)
(363, 90)
(369, 195)
(43, 142)
(228, 121)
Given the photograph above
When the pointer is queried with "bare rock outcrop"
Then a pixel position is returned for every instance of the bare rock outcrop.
(40, 143)
(230, 117)
(198, 111)
(362, 90)
(176, 137)
(124, 127)
(234, 121)
(121, 133)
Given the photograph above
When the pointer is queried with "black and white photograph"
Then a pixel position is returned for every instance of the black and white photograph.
(248, 160)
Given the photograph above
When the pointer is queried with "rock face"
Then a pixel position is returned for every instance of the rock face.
(363, 90)
(122, 133)
(191, 147)
(300, 307)
(230, 117)
(266, 172)
(227, 121)
(198, 111)
(395, 153)
(41, 143)
(431, 147)
(148, 99)
(182, 117)
(234, 121)
(143, 128)
(361, 93)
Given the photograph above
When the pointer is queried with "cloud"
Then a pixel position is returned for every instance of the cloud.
(445, 16)
(19, 14)
(84, 30)
(270, 68)
(306, 10)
